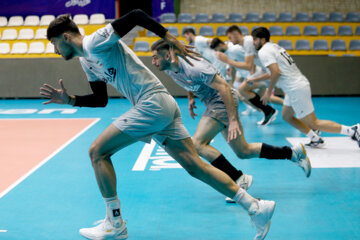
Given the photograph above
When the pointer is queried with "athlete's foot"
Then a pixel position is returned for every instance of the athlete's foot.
(105, 230)
(300, 158)
(356, 135)
(249, 110)
(316, 144)
(262, 218)
(268, 118)
(244, 181)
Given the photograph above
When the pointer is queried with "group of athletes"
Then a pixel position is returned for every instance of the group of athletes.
(259, 63)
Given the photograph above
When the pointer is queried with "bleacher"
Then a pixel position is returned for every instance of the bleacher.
(26, 38)
(302, 34)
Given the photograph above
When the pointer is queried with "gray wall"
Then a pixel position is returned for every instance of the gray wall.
(22, 78)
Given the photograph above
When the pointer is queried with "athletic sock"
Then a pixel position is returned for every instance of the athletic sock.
(313, 136)
(346, 130)
(248, 202)
(225, 166)
(267, 109)
(273, 152)
(113, 210)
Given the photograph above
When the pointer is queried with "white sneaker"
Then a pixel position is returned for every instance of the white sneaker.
(300, 158)
(244, 181)
(262, 218)
(105, 230)
(356, 135)
(249, 110)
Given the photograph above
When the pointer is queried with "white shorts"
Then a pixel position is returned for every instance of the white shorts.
(300, 101)
(158, 117)
(258, 72)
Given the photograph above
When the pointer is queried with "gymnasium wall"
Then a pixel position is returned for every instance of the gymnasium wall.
(276, 6)
(22, 78)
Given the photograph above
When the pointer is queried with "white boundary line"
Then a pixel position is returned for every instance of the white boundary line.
(144, 156)
(3, 231)
(49, 157)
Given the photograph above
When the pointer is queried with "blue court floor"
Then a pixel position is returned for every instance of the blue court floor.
(160, 201)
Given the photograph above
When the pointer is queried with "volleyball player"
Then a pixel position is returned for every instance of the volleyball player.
(106, 59)
(286, 75)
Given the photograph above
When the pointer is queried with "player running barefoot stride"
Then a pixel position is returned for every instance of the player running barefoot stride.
(106, 59)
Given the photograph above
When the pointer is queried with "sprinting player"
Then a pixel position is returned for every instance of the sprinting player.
(202, 45)
(250, 60)
(286, 75)
(258, 80)
(106, 59)
(203, 80)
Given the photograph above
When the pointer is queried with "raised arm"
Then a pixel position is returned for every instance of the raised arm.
(137, 17)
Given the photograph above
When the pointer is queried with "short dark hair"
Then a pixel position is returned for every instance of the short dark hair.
(160, 45)
(215, 42)
(261, 32)
(233, 28)
(189, 30)
(61, 24)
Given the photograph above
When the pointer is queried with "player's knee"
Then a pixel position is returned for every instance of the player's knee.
(198, 144)
(94, 153)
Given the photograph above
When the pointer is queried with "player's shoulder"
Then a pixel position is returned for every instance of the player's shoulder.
(268, 48)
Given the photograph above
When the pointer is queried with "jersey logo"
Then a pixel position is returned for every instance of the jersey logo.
(110, 75)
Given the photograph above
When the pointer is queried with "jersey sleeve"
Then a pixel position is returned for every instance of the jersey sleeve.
(249, 48)
(267, 56)
(201, 42)
(206, 72)
(102, 40)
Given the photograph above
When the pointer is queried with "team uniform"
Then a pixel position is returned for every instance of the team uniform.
(201, 45)
(197, 79)
(250, 50)
(155, 112)
(237, 53)
(291, 81)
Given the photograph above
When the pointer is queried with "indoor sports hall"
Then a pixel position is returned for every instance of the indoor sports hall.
(48, 190)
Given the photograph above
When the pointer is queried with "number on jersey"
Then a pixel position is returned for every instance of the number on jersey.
(287, 57)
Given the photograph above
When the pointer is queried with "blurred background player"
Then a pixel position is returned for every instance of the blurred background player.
(286, 75)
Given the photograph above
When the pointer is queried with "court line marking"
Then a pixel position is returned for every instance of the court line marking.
(17, 182)
(144, 156)
(3, 231)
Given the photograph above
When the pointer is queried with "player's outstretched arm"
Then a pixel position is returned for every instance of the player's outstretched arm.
(137, 17)
(55, 95)
(98, 98)
(274, 78)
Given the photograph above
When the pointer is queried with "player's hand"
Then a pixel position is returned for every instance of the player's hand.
(228, 72)
(249, 82)
(182, 50)
(234, 131)
(222, 56)
(58, 96)
(192, 107)
(266, 97)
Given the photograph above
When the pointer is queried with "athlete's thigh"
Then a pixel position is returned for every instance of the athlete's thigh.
(184, 152)
(111, 140)
(239, 144)
(207, 129)
(287, 111)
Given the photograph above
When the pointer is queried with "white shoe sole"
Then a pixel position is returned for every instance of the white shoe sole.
(267, 227)
(307, 160)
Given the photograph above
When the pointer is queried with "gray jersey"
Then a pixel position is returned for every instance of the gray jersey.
(108, 59)
(196, 79)
(202, 46)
